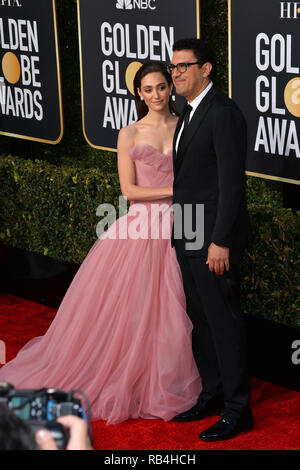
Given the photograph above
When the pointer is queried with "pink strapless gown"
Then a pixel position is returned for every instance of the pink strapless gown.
(121, 333)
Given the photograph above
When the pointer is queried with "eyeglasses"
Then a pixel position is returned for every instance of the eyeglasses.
(181, 67)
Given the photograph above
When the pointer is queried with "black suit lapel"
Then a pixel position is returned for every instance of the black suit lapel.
(195, 122)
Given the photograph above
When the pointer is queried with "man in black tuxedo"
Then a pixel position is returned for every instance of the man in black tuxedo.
(209, 169)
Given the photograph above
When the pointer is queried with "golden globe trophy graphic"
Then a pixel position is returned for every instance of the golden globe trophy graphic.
(292, 96)
(11, 67)
(130, 74)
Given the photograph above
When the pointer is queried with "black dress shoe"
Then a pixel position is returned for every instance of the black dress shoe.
(200, 411)
(228, 427)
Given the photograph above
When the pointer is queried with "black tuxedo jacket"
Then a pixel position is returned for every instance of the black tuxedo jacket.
(209, 169)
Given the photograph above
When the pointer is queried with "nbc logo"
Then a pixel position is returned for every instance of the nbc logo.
(133, 4)
(121, 4)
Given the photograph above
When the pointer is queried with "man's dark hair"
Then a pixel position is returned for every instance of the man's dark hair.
(201, 50)
(14, 432)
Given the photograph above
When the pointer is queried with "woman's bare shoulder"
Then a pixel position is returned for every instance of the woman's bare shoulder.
(128, 132)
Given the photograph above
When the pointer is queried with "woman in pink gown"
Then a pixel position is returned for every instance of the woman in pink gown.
(121, 333)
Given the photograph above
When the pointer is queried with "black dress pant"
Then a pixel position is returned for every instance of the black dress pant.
(218, 338)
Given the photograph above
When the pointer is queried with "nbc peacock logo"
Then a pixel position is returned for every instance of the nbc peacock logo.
(136, 4)
(124, 4)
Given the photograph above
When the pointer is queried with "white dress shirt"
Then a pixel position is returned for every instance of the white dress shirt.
(194, 104)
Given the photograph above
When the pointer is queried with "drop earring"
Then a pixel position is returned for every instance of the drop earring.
(142, 99)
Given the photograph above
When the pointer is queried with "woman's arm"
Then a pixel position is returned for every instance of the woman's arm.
(127, 172)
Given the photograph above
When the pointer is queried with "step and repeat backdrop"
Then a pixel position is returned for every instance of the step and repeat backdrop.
(116, 38)
(265, 83)
(30, 91)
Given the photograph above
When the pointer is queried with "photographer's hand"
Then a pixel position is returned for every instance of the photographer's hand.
(77, 427)
(79, 439)
(45, 440)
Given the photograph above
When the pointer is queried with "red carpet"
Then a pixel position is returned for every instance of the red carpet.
(276, 410)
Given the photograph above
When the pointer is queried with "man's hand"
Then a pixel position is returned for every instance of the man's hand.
(218, 258)
(79, 439)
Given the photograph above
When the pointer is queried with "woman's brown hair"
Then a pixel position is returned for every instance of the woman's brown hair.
(145, 69)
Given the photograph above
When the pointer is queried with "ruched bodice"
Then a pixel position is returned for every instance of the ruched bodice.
(153, 168)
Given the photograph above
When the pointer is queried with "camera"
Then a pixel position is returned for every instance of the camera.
(41, 408)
